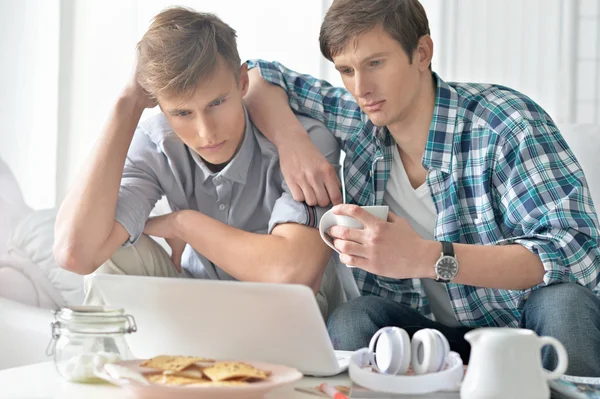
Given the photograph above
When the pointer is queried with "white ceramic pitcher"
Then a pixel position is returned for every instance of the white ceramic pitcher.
(506, 363)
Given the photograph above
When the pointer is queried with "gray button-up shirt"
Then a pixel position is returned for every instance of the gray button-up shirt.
(249, 193)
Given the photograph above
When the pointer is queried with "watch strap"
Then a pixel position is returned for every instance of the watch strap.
(447, 248)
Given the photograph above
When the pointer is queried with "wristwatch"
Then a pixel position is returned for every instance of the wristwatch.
(446, 267)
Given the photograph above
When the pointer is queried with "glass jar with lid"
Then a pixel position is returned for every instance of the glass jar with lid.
(84, 338)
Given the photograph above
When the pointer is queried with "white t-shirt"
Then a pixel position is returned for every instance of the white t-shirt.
(417, 207)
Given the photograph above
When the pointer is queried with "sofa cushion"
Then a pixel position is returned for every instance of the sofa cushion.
(12, 205)
(31, 245)
(24, 334)
(16, 286)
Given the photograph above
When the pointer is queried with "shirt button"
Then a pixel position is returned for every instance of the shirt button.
(222, 207)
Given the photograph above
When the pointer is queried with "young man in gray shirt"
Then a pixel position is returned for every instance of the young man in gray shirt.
(233, 216)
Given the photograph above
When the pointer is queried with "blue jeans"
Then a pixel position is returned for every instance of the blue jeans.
(567, 312)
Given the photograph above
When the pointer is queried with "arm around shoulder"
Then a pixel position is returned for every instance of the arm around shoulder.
(308, 174)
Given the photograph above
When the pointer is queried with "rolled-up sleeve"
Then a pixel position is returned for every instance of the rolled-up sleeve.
(140, 187)
(547, 204)
(288, 210)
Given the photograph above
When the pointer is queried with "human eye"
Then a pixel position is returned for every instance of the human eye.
(182, 113)
(376, 63)
(216, 103)
(347, 71)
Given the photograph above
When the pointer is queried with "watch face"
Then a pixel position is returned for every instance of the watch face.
(446, 268)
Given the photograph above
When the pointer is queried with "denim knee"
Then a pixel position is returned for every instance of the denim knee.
(571, 314)
(564, 303)
(352, 311)
(351, 325)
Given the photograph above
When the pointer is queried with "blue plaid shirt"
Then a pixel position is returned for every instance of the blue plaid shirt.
(499, 172)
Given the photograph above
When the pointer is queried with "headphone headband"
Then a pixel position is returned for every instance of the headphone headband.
(390, 353)
(448, 379)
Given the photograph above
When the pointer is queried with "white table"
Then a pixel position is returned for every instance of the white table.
(41, 381)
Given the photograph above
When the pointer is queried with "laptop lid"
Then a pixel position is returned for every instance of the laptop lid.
(274, 323)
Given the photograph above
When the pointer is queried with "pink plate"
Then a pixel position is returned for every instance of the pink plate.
(281, 375)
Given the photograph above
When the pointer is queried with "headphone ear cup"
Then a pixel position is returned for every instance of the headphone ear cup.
(444, 350)
(390, 350)
(430, 350)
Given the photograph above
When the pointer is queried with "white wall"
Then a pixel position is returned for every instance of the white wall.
(587, 55)
(29, 100)
(511, 42)
(97, 53)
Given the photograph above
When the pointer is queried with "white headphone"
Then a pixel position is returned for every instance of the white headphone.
(391, 351)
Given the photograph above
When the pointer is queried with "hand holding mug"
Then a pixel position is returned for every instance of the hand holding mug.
(376, 240)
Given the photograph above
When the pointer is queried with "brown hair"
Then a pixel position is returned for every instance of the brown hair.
(181, 48)
(405, 20)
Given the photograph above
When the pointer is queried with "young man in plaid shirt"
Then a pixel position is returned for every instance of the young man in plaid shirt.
(491, 220)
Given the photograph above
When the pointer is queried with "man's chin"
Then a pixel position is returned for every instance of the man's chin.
(217, 161)
(377, 119)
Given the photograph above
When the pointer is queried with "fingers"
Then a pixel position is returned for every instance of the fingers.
(309, 195)
(176, 259)
(350, 248)
(177, 248)
(326, 185)
(355, 261)
(333, 185)
(315, 193)
(333, 191)
(322, 195)
(346, 233)
(393, 218)
(317, 187)
(296, 191)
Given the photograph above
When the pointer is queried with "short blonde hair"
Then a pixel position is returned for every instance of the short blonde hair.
(181, 48)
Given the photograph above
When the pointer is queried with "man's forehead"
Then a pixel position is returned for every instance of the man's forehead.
(206, 91)
(176, 100)
(366, 45)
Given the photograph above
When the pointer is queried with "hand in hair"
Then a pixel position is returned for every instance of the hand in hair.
(133, 88)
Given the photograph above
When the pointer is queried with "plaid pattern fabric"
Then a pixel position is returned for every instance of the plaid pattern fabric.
(499, 172)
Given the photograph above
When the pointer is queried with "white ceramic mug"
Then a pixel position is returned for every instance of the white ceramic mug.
(329, 219)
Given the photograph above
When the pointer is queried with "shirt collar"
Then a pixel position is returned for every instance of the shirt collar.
(438, 151)
(237, 169)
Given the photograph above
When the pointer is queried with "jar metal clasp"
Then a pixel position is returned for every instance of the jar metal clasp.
(56, 330)
(55, 336)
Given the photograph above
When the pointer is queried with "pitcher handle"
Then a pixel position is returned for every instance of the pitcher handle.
(563, 358)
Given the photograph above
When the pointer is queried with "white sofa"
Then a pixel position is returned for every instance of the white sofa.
(25, 327)
(24, 333)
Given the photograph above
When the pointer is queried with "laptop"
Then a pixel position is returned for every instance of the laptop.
(273, 323)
